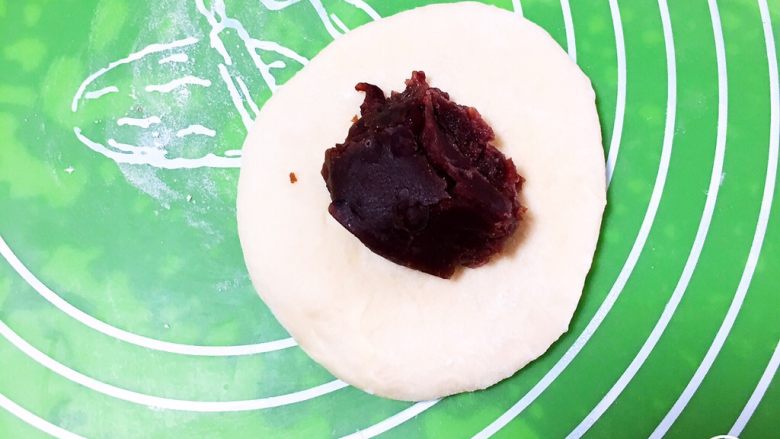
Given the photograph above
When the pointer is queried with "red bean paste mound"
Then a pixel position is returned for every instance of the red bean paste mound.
(418, 182)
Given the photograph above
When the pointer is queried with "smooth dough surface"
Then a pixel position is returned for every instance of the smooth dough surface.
(387, 329)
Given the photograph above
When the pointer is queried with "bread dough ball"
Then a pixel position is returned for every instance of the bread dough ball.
(385, 328)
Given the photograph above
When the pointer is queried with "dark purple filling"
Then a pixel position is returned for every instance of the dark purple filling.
(418, 182)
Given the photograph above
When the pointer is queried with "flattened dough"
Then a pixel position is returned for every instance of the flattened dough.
(387, 329)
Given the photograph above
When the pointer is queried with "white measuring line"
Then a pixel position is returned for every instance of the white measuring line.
(620, 100)
(129, 337)
(758, 237)
(517, 8)
(568, 24)
(393, 421)
(35, 420)
(160, 402)
(758, 393)
(340, 24)
(698, 243)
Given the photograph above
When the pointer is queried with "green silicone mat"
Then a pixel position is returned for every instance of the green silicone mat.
(126, 310)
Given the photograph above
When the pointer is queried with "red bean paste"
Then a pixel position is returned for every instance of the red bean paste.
(418, 182)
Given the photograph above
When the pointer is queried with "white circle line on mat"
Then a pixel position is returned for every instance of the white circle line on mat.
(129, 337)
(758, 393)
(636, 250)
(35, 420)
(698, 243)
(393, 421)
(758, 237)
(568, 24)
(517, 8)
(620, 99)
(617, 128)
(160, 402)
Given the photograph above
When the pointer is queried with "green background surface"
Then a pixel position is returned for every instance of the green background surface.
(104, 261)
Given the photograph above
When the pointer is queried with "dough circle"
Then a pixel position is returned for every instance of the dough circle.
(387, 329)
